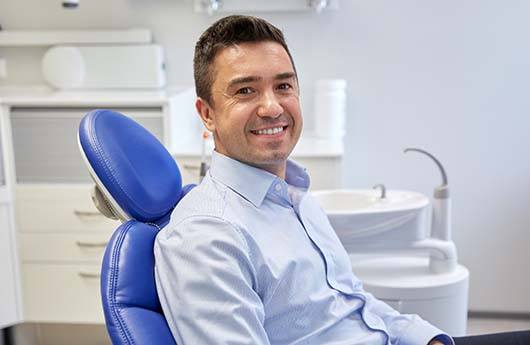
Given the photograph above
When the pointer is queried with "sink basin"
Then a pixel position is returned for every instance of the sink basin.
(363, 220)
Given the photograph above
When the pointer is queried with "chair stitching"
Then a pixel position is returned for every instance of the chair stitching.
(124, 331)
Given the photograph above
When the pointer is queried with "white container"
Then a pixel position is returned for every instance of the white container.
(407, 285)
(330, 108)
(105, 67)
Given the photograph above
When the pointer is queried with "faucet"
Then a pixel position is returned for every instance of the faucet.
(441, 227)
(383, 190)
(441, 220)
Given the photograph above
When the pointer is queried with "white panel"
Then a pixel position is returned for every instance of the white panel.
(8, 294)
(65, 248)
(62, 293)
(2, 174)
(45, 142)
(105, 67)
(59, 208)
(13, 38)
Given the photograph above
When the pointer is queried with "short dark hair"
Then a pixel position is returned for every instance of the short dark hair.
(226, 32)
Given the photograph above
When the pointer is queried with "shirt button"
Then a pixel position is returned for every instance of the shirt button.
(278, 188)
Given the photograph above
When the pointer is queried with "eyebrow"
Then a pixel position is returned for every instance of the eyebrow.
(251, 79)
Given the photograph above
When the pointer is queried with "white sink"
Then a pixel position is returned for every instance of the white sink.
(362, 219)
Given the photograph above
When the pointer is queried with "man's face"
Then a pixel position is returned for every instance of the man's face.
(255, 116)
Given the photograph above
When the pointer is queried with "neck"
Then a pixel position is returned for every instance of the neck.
(276, 169)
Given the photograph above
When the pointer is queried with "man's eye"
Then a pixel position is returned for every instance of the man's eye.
(244, 91)
(285, 86)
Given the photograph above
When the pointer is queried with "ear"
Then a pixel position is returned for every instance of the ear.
(206, 114)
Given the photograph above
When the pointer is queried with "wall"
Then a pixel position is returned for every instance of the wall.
(448, 76)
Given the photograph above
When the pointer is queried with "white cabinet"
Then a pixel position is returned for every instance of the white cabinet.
(10, 301)
(9, 311)
(45, 141)
(61, 235)
(62, 240)
(50, 264)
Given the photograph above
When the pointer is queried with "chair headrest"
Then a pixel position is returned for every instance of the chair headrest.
(132, 169)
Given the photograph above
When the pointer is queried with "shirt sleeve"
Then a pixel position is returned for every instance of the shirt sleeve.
(406, 329)
(205, 282)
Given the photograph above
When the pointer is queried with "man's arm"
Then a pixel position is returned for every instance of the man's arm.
(205, 281)
(407, 329)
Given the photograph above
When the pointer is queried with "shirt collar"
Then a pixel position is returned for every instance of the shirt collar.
(250, 182)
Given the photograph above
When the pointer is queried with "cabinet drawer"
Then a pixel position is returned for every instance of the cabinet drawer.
(61, 248)
(62, 293)
(49, 208)
(45, 142)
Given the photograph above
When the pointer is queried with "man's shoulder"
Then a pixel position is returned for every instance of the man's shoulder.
(208, 199)
(204, 215)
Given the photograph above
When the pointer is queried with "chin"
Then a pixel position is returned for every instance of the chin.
(275, 158)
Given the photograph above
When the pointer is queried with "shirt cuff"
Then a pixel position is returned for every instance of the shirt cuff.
(421, 332)
(444, 339)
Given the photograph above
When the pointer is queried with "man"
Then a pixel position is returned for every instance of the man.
(249, 257)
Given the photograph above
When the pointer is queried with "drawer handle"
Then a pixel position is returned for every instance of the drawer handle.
(87, 213)
(191, 167)
(91, 244)
(84, 274)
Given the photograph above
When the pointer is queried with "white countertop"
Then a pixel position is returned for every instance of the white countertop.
(43, 96)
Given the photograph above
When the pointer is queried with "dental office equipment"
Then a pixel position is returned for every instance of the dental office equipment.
(387, 239)
(441, 202)
(121, 167)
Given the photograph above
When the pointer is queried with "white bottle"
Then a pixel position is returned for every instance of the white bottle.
(330, 108)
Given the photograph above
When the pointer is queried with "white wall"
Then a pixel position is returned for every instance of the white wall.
(448, 76)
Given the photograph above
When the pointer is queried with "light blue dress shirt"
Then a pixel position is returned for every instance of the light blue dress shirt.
(250, 258)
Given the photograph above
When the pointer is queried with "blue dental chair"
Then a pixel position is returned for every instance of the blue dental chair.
(139, 183)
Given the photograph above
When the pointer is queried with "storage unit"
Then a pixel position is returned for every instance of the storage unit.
(10, 294)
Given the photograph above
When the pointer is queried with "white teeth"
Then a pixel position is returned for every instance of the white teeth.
(269, 131)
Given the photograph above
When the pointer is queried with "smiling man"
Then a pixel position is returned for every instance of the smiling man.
(248, 256)
(252, 105)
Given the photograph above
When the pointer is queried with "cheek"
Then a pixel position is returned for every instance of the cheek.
(233, 122)
(292, 106)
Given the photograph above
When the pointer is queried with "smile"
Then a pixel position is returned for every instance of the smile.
(269, 131)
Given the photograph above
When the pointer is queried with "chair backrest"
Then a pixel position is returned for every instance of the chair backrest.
(138, 182)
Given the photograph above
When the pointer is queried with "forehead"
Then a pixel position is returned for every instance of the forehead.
(262, 59)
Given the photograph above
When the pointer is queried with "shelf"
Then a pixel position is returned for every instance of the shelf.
(22, 38)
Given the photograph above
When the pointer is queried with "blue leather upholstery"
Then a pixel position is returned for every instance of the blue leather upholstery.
(139, 177)
(131, 163)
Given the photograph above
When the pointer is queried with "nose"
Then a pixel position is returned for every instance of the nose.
(269, 105)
